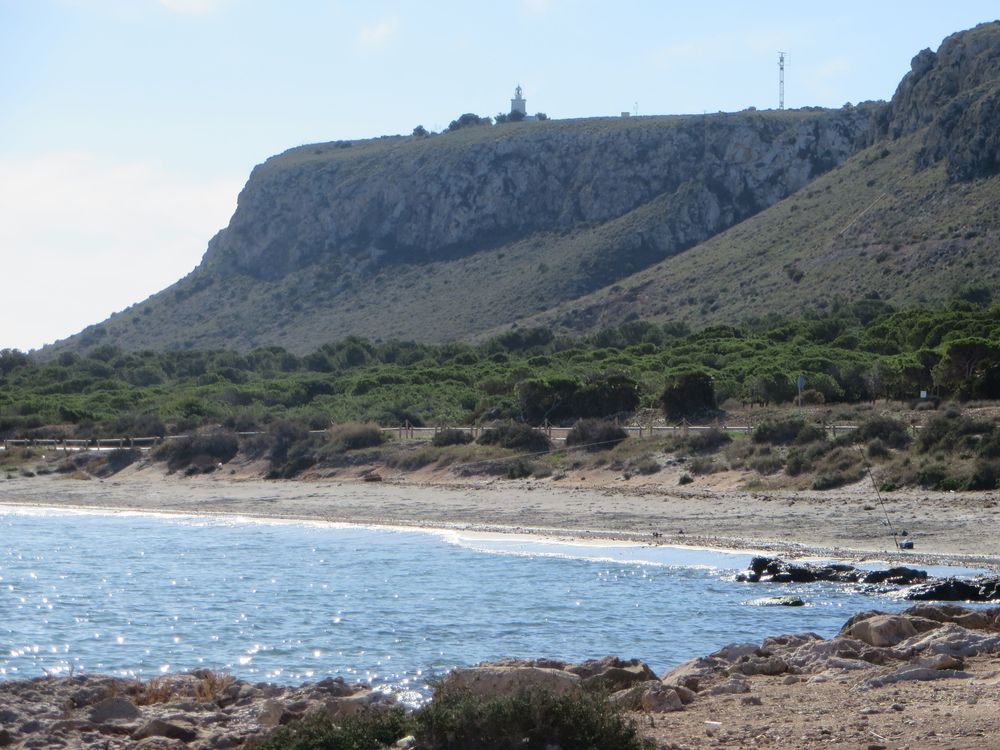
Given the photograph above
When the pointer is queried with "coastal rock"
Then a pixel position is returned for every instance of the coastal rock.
(113, 709)
(661, 699)
(630, 699)
(982, 589)
(168, 729)
(776, 570)
(360, 702)
(973, 619)
(881, 630)
(922, 674)
(693, 673)
(612, 673)
(778, 601)
(953, 640)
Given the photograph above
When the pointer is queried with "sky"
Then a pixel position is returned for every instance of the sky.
(128, 127)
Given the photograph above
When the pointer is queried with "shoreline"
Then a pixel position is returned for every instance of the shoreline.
(649, 515)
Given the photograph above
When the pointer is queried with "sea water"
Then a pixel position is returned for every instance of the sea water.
(142, 594)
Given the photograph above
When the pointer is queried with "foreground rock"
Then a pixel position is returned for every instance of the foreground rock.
(873, 653)
(202, 709)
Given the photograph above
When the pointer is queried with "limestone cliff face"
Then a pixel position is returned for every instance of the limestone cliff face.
(955, 94)
(349, 207)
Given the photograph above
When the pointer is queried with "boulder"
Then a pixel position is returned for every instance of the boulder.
(957, 590)
(778, 601)
(766, 665)
(661, 699)
(693, 673)
(113, 709)
(882, 630)
(168, 729)
(489, 681)
(974, 619)
(951, 639)
(611, 673)
(360, 702)
(630, 699)
(912, 673)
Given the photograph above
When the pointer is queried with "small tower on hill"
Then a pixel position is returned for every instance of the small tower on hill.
(518, 103)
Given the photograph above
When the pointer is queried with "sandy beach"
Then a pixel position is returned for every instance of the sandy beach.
(961, 528)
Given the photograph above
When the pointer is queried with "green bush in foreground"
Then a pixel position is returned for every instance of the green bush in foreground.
(528, 720)
(459, 720)
(366, 731)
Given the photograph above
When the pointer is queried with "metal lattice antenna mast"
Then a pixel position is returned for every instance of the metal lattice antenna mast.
(781, 80)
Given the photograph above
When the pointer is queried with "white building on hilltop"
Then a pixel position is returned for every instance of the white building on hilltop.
(518, 104)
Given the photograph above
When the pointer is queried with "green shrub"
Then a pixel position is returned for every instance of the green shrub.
(797, 462)
(931, 476)
(516, 436)
(520, 469)
(705, 441)
(202, 450)
(451, 437)
(832, 479)
(877, 449)
(787, 431)
(365, 731)
(120, 458)
(689, 396)
(704, 465)
(985, 475)
(595, 435)
(766, 463)
(354, 436)
(527, 720)
(892, 432)
(684, 479)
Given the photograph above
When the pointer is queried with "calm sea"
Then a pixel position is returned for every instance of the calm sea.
(280, 601)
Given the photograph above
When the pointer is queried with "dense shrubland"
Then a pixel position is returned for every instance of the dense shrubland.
(861, 352)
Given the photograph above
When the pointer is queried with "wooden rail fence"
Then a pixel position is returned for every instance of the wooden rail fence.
(403, 432)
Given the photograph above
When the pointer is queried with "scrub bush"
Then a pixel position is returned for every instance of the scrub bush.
(595, 435)
(516, 436)
(451, 437)
(201, 450)
(526, 720)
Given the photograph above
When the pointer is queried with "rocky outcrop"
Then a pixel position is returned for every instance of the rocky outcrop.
(776, 570)
(922, 643)
(203, 710)
(955, 94)
(982, 589)
(200, 710)
(347, 207)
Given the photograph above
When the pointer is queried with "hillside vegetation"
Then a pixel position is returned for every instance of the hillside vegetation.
(859, 352)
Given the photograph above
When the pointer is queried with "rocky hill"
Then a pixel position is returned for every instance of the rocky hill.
(911, 220)
(581, 224)
(449, 235)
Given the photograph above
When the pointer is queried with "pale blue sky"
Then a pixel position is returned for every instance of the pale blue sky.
(127, 127)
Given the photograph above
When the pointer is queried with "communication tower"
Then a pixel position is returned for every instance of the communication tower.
(781, 80)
